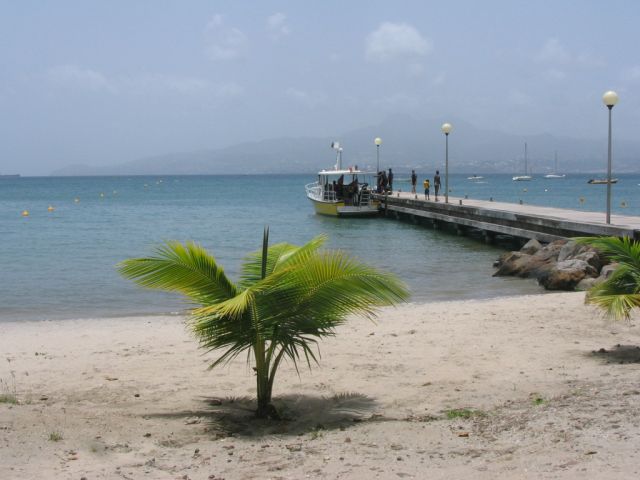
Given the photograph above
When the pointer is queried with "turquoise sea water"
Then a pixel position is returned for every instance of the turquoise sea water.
(60, 264)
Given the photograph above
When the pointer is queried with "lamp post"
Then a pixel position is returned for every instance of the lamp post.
(446, 129)
(609, 98)
(378, 142)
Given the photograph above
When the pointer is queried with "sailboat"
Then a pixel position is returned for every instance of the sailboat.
(525, 177)
(555, 171)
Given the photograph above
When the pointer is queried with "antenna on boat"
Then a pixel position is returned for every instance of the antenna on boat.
(336, 146)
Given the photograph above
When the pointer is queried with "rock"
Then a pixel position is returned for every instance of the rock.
(526, 266)
(551, 251)
(566, 275)
(512, 263)
(531, 247)
(607, 270)
(591, 257)
(587, 283)
(569, 250)
(577, 264)
(560, 265)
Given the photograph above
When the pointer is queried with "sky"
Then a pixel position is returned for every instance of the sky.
(104, 82)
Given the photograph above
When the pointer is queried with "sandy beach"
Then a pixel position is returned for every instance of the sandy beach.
(513, 387)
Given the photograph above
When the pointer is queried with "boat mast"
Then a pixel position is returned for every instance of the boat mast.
(336, 146)
(525, 158)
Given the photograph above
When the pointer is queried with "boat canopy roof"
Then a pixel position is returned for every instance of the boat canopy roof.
(351, 171)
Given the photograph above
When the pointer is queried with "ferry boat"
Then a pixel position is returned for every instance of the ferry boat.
(343, 192)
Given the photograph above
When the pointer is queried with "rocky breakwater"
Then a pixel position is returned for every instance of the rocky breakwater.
(559, 265)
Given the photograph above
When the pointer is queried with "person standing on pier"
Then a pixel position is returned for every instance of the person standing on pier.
(436, 183)
(414, 180)
(390, 178)
(425, 184)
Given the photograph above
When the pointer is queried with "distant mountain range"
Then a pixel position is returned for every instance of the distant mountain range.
(408, 144)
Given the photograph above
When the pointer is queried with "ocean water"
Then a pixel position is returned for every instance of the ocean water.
(61, 264)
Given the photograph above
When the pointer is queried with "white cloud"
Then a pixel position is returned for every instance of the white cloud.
(416, 69)
(553, 52)
(394, 40)
(308, 99)
(72, 76)
(555, 74)
(589, 60)
(277, 25)
(519, 98)
(398, 102)
(632, 73)
(439, 79)
(158, 83)
(227, 90)
(224, 42)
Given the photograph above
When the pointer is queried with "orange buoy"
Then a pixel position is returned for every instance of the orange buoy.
(50, 209)
(25, 213)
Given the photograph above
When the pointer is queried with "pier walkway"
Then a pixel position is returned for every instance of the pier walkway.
(498, 218)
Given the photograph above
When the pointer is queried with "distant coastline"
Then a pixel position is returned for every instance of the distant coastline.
(14, 175)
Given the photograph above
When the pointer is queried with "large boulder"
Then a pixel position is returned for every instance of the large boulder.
(512, 264)
(587, 283)
(591, 257)
(569, 250)
(526, 265)
(607, 270)
(531, 247)
(566, 275)
(560, 265)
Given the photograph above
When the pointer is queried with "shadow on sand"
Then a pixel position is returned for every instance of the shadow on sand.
(300, 414)
(618, 354)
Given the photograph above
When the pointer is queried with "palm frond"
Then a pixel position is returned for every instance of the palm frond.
(307, 301)
(620, 293)
(289, 298)
(278, 256)
(187, 269)
(622, 250)
(615, 306)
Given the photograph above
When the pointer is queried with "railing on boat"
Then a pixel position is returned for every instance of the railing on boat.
(316, 192)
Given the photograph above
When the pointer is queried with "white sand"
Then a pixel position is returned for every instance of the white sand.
(132, 398)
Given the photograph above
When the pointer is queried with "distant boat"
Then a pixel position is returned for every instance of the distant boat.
(475, 177)
(555, 171)
(601, 181)
(525, 177)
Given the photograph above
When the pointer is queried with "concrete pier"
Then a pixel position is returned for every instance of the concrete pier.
(498, 218)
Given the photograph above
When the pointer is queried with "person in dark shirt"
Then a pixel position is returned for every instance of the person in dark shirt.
(436, 183)
(414, 180)
(390, 179)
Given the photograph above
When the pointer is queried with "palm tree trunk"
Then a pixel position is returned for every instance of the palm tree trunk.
(262, 380)
(265, 409)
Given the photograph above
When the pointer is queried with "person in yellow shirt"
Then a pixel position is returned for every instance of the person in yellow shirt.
(426, 185)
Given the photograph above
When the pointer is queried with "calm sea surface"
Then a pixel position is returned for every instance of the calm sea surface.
(60, 264)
